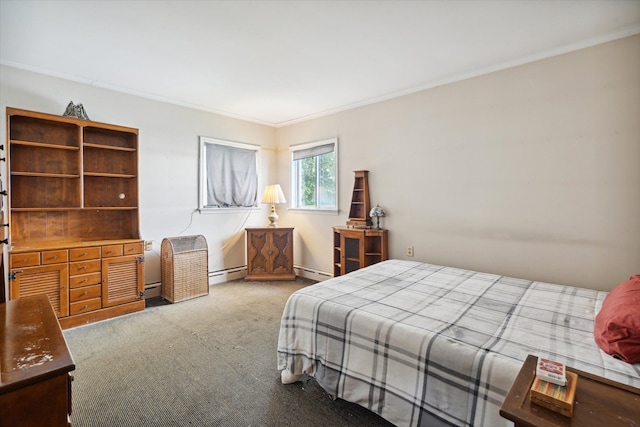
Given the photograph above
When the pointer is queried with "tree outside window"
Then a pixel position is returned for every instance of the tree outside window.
(314, 175)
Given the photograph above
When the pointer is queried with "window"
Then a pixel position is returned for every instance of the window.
(314, 175)
(228, 174)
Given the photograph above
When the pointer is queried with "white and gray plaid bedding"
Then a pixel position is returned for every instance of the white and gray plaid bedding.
(422, 344)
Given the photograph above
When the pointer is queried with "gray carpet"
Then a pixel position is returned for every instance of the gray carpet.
(209, 361)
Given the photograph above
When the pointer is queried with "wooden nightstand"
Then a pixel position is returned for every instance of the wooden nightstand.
(599, 402)
(270, 253)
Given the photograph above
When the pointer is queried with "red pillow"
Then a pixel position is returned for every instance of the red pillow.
(617, 328)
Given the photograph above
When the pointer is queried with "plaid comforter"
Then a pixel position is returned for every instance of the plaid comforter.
(422, 344)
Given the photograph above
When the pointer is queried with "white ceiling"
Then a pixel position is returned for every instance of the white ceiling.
(279, 62)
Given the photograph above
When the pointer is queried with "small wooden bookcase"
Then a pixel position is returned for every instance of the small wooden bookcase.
(355, 248)
(360, 201)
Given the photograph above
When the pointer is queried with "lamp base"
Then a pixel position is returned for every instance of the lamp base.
(273, 217)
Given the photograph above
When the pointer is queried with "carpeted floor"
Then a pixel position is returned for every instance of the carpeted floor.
(209, 361)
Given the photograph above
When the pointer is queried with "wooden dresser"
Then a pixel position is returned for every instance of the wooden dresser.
(270, 253)
(73, 215)
(35, 365)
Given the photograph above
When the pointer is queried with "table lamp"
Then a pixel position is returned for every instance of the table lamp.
(273, 194)
(377, 212)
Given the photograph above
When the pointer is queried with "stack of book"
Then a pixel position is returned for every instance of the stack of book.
(554, 388)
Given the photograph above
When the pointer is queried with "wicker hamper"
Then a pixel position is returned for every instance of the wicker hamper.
(185, 269)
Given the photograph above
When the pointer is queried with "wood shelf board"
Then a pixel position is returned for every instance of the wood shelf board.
(81, 123)
(109, 175)
(45, 145)
(108, 147)
(77, 208)
(63, 244)
(44, 175)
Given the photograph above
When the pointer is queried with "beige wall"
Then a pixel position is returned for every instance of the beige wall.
(532, 171)
(529, 172)
(168, 159)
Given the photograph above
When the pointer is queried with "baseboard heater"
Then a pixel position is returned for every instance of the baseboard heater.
(309, 273)
(234, 273)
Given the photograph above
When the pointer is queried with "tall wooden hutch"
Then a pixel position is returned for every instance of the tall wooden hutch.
(73, 215)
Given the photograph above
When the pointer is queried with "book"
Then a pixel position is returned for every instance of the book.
(553, 396)
(551, 371)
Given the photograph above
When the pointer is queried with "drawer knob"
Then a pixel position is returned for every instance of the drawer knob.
(55, 257)
(84, 267)
(25, 260)
(85, 293)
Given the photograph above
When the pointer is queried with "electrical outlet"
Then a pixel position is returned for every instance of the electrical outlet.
(409, 250)
(148, 245)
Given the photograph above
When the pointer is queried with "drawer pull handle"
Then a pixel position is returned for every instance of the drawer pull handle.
(85, 254)
(55, 257)
(84, 307)
(85, 293)
(270, 252)
(85, 280)
(25, 260)
(84, 267)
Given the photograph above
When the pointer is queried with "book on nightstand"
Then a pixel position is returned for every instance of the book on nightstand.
(553, 396)
(551, 371)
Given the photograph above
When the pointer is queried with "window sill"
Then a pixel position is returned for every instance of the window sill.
(228, 210)
(314, 211)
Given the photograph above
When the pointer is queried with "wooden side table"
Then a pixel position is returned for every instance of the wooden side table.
(356, 248)
(599, 402)
(270, 253)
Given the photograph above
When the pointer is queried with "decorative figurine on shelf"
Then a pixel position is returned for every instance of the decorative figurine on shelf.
(76, 111)
(377, 212)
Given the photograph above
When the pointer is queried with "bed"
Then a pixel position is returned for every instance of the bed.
(422, 344)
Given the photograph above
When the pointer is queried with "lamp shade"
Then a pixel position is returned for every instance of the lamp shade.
(377, 211)
(273, 194)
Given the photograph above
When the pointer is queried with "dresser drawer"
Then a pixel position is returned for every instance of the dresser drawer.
(84, 306)
(55, 257)
(133, 248)
(79, 254)
(25, 259)
(85, 280)
(84, 293)
(84, 267)
(111, 251)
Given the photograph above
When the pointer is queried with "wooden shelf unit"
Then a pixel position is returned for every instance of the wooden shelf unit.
(360, 202)
(73, 186)
(356, 248)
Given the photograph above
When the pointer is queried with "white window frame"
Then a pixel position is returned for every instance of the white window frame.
(202, 193)
(294, 178)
